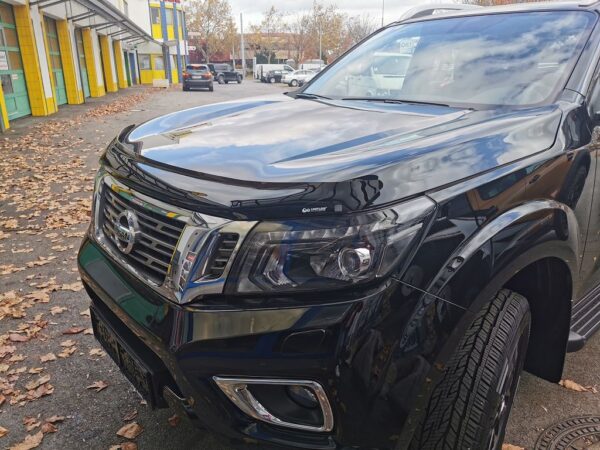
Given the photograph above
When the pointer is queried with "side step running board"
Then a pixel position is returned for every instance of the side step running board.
(575, 343)
(585, 320)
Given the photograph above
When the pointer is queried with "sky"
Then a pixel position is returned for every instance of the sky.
(253, 9)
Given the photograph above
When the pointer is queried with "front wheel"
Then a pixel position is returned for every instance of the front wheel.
(220, 79)
(239, 80)
(293, 83)
(470, 405)
(272, 80)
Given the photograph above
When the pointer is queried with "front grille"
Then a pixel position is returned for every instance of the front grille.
(151, 254)
(219, 259)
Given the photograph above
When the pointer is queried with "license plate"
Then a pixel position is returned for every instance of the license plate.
(135, 371)
(196, 78)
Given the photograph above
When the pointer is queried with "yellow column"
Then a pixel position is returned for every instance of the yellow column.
(111, 86)
(3, 110)
(50, 102)
(96, 90)
(31, 64)
(121, 76)
(74, 92)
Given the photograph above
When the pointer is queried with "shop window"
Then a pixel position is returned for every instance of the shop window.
(144, 62)
(6, 15)
(155, 15)
(159, 63)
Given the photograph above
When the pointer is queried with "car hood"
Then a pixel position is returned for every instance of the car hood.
(280, 153)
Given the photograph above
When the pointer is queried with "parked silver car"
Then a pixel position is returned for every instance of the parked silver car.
(298, 77)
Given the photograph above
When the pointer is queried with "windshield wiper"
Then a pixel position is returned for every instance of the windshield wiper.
(394, 100)
(310, 96)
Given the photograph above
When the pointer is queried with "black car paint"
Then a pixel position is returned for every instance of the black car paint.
(514, 189)
(224, 72)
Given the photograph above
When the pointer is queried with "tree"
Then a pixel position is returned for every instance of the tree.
(213, 21)
(326, 31)
(265, 35)
(358, 28)
(298, 27)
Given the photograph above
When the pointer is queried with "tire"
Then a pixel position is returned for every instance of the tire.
(239, 80)
(470, 405)
(294, 83)
(220, 79)
(272, 80)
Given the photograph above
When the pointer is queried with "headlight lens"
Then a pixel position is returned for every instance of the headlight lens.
(327, 253)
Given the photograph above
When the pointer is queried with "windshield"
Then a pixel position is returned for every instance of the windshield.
(497, 59)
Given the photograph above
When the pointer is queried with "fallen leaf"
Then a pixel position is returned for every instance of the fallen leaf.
(130, 415)
(17, 358)
(55, 419)
(174, 420)
(97, 352)
(57, 310)
(572, 386)
(511, 447)
(35, 383)
(73, 330)
(68, 343)
(75, 287)
(85, 313)
(31, 441)
(3, 431)
(88, 331)
(67, 351)
(31, 423)
(48, 357)
(48, 427)
(124, 446)
(14, 337)
(98, 385)
(130, 431)
(6, 349)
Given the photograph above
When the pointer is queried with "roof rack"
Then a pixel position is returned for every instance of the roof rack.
(431, 9)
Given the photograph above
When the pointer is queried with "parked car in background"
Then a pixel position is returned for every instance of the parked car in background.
(312, 64)
(197, 76)
(224, 73)
(360, 263)
(274, 76)
(297, 77)
(260, 70)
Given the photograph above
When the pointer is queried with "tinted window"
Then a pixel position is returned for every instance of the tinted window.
(193, 67)
(496, 59)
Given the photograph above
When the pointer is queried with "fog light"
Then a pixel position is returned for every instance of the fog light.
(303, 396)
(354, 262)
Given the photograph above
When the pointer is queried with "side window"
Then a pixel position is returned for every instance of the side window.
(594, 96)
(155, 15)
(144, 62)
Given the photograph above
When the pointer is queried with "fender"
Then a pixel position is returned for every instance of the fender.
(517, 239)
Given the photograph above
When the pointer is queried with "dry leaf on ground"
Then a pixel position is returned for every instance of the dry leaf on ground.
(130, 415)
(573, 386)
(124, 446)
(130, 431)
(48, 427)
(511, 447)
(73, 330)
(68, 343)
(55, 419)
(98, 385)
(3, 431)
(35, 383)
(48, 357)
(174, 420)
(31, 441)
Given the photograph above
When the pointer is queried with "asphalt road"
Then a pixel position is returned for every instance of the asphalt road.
(58, 165)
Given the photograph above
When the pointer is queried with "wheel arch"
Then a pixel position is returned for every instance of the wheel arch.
(541, 264)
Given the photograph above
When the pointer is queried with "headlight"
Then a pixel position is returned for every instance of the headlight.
(327, 252)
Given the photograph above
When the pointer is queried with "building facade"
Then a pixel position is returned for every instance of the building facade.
(59, 52)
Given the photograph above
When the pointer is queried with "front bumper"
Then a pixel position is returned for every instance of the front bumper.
(372, 353)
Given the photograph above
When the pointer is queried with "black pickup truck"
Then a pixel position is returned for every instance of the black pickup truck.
(224, 73)
(378, 271)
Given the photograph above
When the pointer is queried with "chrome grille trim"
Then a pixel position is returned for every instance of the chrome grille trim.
(160, 244)
(157, 240)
